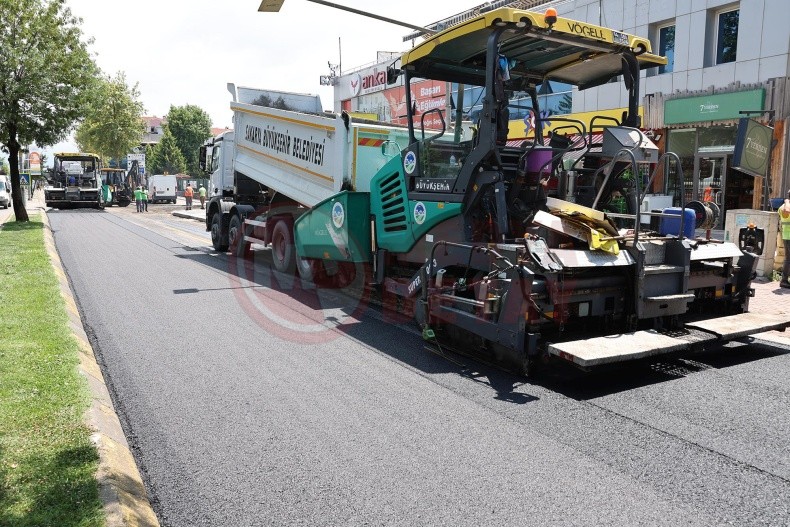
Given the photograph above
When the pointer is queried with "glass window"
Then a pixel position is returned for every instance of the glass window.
(684, 144)
(717, 139)
(666, 47)
(727, 36)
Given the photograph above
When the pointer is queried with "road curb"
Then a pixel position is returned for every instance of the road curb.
(121, 488)
(185, 214)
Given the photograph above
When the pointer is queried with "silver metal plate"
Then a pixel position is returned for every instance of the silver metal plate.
(710, 251)
(616, 348)
(582, 258)
(741, 325)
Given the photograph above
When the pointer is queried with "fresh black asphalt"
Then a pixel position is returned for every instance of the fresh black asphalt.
(236, 420)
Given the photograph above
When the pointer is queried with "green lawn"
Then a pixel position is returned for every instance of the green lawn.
(47, 462)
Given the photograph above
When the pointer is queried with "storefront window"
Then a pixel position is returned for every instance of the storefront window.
(717, 140)
(684, 144)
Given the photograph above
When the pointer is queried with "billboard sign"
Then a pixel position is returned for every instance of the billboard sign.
(35, 162)
(713, 107)
(753, 147)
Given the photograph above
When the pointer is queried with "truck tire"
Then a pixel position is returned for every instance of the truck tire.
(311, 270)
(283, 251)
(219, 241)
(236, 238)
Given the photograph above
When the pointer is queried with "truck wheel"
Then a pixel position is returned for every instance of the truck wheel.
(217, 239)
(236, 238)
(312, 270)
(283, 253)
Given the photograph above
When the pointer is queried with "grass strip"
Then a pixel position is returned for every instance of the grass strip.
(47, 462)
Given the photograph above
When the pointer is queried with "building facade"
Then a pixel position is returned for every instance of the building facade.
(724, 58)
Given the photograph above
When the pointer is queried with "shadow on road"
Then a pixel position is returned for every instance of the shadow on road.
(386, 331)
(395, 335)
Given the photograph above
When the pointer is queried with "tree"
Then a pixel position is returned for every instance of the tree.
(190, 126)
(46, 73)
(566, 104)
(114, 122)
(166, 157)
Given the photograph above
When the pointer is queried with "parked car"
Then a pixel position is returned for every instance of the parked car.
(5, 192)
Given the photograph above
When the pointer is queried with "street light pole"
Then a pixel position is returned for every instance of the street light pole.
(273, 6)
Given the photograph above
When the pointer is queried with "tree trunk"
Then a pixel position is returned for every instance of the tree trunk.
(16, 188)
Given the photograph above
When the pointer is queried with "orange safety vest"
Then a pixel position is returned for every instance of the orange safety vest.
(188, 192)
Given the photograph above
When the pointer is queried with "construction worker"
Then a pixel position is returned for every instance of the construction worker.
(145, 199)
(784, 226)
(202, 195)
(138, 198)
(188, 193)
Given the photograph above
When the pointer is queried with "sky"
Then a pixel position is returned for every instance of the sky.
(186, 51)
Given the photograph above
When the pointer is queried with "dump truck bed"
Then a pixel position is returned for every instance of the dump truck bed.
(310, 157)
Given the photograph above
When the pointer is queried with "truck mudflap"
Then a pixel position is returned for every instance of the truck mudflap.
(610, 349)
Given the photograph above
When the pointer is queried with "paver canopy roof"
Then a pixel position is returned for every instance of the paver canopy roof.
(568, 51)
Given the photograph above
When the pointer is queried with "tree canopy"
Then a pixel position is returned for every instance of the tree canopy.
(166, 157)
(114, 124)
(190, 126)
(46, 74)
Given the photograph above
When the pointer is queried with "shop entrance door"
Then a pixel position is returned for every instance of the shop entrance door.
(710, 181)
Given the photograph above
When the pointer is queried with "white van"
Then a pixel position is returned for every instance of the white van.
(162, 189)
(5, 192)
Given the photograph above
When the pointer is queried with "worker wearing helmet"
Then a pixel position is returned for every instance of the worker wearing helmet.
(784, 225)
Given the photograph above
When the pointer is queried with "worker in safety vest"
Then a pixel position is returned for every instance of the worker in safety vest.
(145, 199)
(138, 198)
(202, 195)
(784, 226)
(188, 193)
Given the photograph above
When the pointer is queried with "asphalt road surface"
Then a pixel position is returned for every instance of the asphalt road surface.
(248, 400)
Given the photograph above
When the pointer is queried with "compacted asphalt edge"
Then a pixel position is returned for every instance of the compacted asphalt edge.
(121, 487)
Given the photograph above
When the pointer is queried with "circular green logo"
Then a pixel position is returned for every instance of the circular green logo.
(409, 162)
(420, 213)
(338, 215)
